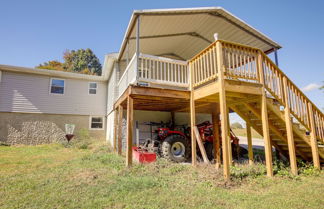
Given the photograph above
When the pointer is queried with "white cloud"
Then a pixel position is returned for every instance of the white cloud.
(311, 87)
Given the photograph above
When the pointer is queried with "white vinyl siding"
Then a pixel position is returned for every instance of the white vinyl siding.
(29, 93)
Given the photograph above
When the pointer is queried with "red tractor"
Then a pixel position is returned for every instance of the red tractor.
(175, 144)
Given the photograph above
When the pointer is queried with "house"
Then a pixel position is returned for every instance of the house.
(36, 104)
(183, 65)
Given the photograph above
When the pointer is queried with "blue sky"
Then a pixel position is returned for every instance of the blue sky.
(36, 31)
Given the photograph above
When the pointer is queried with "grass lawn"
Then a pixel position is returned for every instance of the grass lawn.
(53, 176)
(242, 132)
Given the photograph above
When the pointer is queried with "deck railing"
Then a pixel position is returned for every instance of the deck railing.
(128, 77)
(164, 71)
(154, 70)
(204, 66)
(241, 63)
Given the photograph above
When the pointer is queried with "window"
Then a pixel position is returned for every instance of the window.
(57, 86)
(96, 122)
(92, 88)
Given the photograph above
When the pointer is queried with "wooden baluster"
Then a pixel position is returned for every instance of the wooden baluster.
(196, 71)
(211, 62)
(201, 69)
(207, 64)
(245, 67)
(233, 62)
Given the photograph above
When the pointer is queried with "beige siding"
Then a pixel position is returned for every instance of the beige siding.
(30, 93)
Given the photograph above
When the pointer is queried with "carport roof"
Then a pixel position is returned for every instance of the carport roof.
(182, 33)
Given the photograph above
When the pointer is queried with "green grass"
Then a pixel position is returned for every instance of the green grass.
(242, 132)
(58, 176)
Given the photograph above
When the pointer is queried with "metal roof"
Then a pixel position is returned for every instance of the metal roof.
(182, 33)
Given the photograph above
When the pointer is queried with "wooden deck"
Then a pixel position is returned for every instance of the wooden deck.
(231, 77)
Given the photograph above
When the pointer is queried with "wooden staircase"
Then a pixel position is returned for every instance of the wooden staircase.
(283, 115)
(251, 112)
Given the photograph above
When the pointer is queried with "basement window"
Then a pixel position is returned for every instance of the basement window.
(93, 88)
(57, 86)
(96, 122)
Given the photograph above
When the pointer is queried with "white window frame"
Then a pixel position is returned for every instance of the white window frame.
(92, 88)
(50, 86)
(97, 116)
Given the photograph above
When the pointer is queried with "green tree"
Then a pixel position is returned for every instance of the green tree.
(51, 65)
(80, 61)
(83, 61)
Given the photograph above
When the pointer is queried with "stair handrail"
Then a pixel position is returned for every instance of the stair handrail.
(317, 113)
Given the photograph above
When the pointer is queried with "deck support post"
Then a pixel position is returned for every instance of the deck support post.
(313, 140)
(230, 151)
(265, 120)
(223, 111)
(215, 121)
(115, 130)
(129, 154)
(249, 142)
(119, 130)
(192, 119)
(289, 130)
(137, 45)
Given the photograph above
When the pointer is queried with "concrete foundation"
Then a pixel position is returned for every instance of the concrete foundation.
(34, 128)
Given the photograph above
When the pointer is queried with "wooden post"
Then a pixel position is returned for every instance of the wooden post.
(223, 110)
(313, 140)
(201, 145)
(120, 127)
(115, 129)
(129, 157)
(249, 142)
(192, 119)
(215, 120)
(265, 121)
(229, 142)
(138, 47)
(289, 130)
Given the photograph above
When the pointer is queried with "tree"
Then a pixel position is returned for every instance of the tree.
(52, 65)
(81, 61)
(236, 125)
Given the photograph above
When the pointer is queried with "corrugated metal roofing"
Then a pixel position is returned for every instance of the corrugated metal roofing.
(185, 32)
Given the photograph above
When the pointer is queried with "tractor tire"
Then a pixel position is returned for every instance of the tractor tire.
(175, 148)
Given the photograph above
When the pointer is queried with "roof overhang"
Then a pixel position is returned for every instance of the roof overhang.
(53, 73)
(182, 33)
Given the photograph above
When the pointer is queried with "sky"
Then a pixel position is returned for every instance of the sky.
(35, 31)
